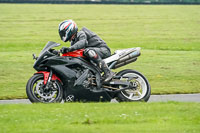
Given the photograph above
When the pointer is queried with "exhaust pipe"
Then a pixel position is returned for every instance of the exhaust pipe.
(129, 58)
(131, 55)
(124, 63)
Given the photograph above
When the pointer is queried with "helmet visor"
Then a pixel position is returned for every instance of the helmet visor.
(62, 33)
(63, 36)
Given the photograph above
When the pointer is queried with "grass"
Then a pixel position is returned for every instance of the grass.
(152, 27)
(167, 117)
(169, 37)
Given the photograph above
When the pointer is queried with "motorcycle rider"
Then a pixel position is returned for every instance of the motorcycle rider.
(95, 48)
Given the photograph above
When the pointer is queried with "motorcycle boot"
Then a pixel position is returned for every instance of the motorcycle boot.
(92, 55)
(108, 74)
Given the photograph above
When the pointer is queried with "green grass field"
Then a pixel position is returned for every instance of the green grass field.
(168, 35)
(170, 117)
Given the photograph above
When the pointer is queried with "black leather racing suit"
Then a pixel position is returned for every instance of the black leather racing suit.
(90, 41)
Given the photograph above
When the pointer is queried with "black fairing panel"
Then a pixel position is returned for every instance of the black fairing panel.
(68, 61)
(57, 60)
(62, 67)
(85, 95)
(66, 74)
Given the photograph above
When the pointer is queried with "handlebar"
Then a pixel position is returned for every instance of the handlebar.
(56, 52)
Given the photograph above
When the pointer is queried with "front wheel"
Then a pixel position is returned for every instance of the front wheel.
(37, 91)
(141, 90)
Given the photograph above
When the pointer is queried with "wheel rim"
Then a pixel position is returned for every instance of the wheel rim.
(137, 93)
(45, 96)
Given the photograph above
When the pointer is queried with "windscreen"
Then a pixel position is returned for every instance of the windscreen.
(48, 46)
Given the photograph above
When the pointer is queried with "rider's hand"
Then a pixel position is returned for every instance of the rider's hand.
(56, 52)
(64, 50)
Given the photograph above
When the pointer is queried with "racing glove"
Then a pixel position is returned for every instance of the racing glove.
(65, 50)
(56, 52)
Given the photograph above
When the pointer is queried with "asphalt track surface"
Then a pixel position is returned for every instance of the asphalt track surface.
(153, 98)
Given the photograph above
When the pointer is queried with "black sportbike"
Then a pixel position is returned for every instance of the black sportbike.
(72, 77)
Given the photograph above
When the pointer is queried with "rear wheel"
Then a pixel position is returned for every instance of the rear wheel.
(141, 89)
(37, 91)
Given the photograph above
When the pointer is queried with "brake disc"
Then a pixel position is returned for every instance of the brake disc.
(43, 95)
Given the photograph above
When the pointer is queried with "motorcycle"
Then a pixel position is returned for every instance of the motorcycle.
(72, 77)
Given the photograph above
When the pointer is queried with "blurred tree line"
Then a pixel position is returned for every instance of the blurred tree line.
(105, 1)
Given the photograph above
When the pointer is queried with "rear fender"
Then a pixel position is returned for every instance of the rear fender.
(46, 76)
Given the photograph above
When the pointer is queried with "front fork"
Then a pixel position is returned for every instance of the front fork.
(49, 76)
(48, 83)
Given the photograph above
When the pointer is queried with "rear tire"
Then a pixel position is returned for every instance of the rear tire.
(35, 92)
(142, 91)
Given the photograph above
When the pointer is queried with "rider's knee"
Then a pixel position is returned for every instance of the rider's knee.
(90, 53)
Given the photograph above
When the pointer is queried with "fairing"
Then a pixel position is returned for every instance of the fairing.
(46, 76)
(44, 54)
(48, 46)
(77, 53)
(62, 66)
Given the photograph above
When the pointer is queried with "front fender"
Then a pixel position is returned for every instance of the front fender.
(46, 76)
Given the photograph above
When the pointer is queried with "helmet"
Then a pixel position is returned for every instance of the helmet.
(67, 29)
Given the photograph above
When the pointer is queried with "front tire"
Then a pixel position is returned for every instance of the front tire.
(36, 92)
(141, 93)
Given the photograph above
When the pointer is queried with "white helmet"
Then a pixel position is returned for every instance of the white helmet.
(67, 29)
